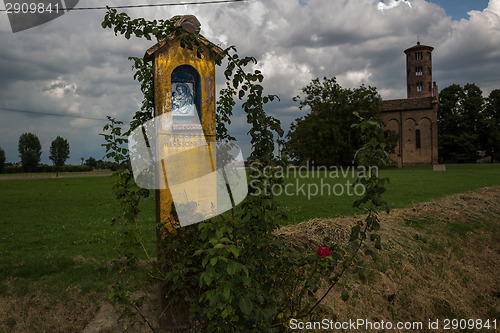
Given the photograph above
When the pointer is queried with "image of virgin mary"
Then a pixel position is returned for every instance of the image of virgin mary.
(182, 100)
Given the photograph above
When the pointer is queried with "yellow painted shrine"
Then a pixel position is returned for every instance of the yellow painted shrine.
(184, 89)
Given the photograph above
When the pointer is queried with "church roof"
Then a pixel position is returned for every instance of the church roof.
(408, 104)
(419, 47)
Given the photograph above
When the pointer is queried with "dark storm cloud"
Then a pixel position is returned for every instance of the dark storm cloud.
(71, 65)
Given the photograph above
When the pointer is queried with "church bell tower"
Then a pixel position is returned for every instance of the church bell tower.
(419, 72)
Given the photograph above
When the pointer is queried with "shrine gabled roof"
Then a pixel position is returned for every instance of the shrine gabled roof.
(191, 24)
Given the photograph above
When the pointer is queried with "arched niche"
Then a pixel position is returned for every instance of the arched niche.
(186, 94)
(425, 127)
(393, 125)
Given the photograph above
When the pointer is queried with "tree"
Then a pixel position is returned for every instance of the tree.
(2, 160)
(324, 136)
(460, 122)
(91, 162)
(59, 151)
(30, 151)
(490, 129)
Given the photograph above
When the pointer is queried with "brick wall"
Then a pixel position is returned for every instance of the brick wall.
(415, 119)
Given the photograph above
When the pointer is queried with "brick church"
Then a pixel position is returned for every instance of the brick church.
(415, 117)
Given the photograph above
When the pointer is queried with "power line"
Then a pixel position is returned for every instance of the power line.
(54, 114)
(148, 5)
(78, 117)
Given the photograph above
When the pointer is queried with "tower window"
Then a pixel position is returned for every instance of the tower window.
(420, 71)
(417, 139)
(419, 86)
(418, 55)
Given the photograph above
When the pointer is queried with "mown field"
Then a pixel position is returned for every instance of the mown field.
(56, 233)
(46, 223)
(407, 186)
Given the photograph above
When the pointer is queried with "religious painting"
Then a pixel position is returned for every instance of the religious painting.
(183, 102)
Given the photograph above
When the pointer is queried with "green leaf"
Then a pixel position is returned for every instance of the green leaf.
(235, 251)
(355, 232)
(232, 267)
(344, 295)
(226, 293)
(246, 306)
(246, 280)
(205, 261)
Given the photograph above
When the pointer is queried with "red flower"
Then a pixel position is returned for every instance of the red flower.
(323, 252)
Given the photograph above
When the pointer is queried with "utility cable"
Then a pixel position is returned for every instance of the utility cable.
(149, 5)
(53, 114)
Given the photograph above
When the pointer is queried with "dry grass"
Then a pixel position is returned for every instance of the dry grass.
(440, 259)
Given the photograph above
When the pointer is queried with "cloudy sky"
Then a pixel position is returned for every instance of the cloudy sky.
(72, 66)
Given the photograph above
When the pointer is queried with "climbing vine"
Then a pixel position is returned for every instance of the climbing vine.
(232, 272)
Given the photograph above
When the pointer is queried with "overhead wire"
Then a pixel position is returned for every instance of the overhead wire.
(70, 116)
(54, 114)
(148, 5)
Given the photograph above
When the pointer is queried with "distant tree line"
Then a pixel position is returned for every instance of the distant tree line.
(99, 164)
(468, 123)
(48, 168)
(30, 152)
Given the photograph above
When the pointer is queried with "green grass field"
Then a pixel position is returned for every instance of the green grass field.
(407, 186)
(55, 233)
(48, 225)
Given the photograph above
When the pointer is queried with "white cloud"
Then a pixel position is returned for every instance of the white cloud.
(355, 78)
(494, 7)
(392, 4)
(59, 88)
